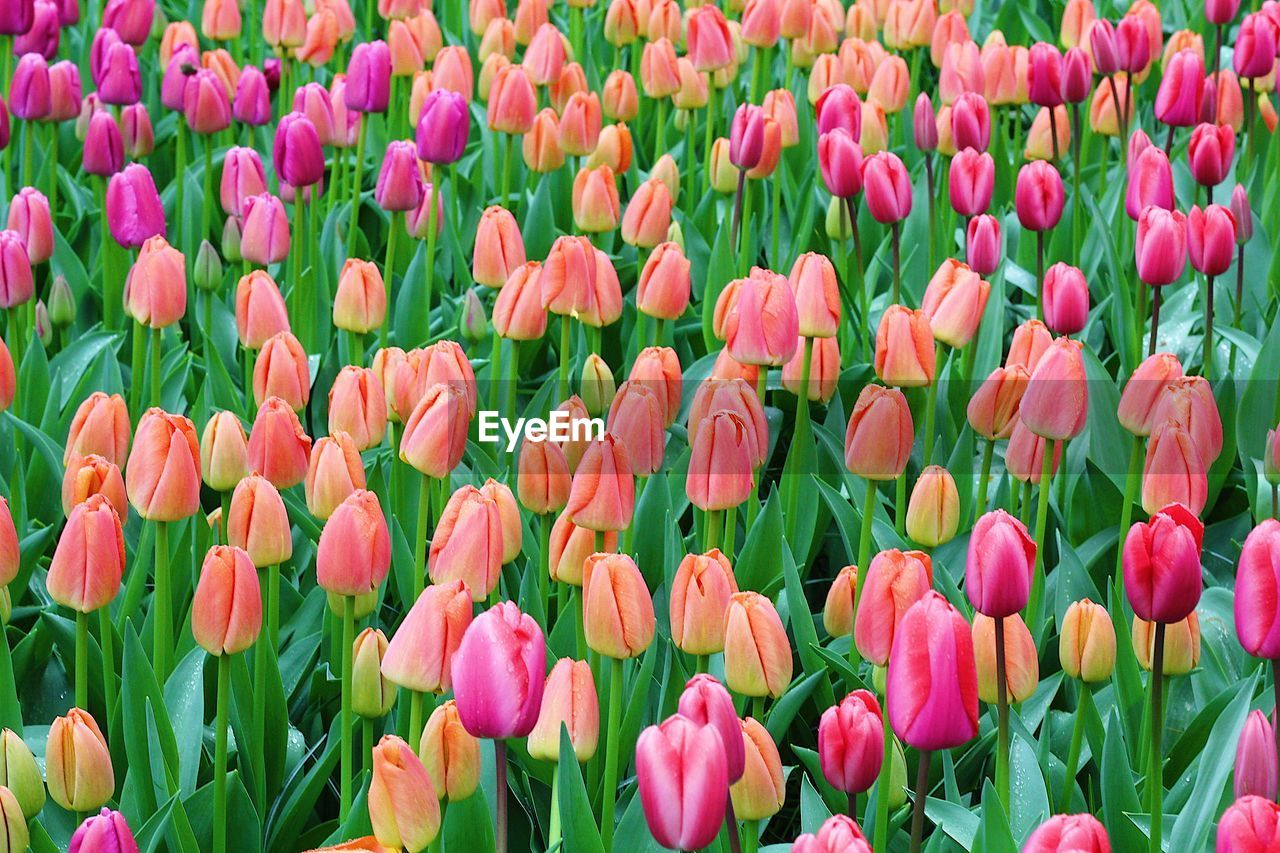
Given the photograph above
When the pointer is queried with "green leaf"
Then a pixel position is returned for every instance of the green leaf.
(580, 832)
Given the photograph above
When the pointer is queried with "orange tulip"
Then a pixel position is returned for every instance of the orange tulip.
(281, 371)
(354, 551)
(333, 472)
(100, 425)
(757, 656)
(226, 611)
(85, 476)
(88, 562)
(163, 474)
(699, 602)
(618, 617)
(258, 522)
(468, 543)
(878, 440)
(602, 496)
(450, 754)
(358, 406)
(420, 652)
(78, 763)
(278, 448)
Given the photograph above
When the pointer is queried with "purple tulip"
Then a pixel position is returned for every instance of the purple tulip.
(399, 183)
(119, 81)
(369, 78)
(297, 154)
(16, 17)
(103, 145)
(443, 127)
(130, 18)
(42, 37)
(134, 211)
(252, 105)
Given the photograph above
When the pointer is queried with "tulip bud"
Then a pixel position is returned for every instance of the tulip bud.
(62, 303)
(450, 754)
(354, 551)
(1038, 196)
(1087, 644)
(1247, 824)
(101, 426)
(1174, 470)
(905, 351)
(683, 781)
(224, 452)
(933, 646)
(258, 523)
(1063, 833)
(226, 612)
(602, 496)
(851, 742)
(77, 763)
(933, 513)
(334, 471)
(761, 792)
(1162, 564)
(403, 808)
(618, 618)
(1181, 644)
(498, 673)
(1255, 766)
(568, 700)
(880, 434)
(12, 822)
(1022, 669)
(20, 774)
(371, 695)
(757, 653)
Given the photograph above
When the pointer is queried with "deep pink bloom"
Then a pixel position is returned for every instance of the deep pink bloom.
(684, 784)
(134, 211)
(1211, 239)
(1038, 196)
(997, 572)
(706, 702)
(297, 155)
(498, 673)
(851, 742)
(887, 187)
(932, 685)
(443, 127)
(1257, 593)
(1065, 299)
(1162, 565)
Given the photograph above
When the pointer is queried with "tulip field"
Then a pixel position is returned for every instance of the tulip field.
(616, 426)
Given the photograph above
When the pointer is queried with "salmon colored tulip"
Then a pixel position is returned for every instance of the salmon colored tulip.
(100, 426)
(450, 754)
(421, 650)
(333, 472)
(77, 763)
(163, 474)
(468, 543)
(88, 562)
(278, 448)
(618, 618)
(354, 551)
(1022, 668)
(757, 654)
(258, 522)
(226, 612)
(568, 701)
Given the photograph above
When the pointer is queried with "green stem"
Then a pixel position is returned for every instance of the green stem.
(206, 207)
(744, 232)
(883, 782)
(803, 427)
(432, 213)
(553, 828)
(259, 719)
(156, 373)
(980, 505)
(82, 660)
(137, 366)
(357, 178)
(220, 755)
(106, 640)
(563, 386)
(920, 794)
(1155, 781)
(931, 401)
(1208, 327)
(348, 643)
(415, 719)
(864, 558)
(1002, 712)
(611, 754)
(730, 531)
(713, 529)
(1132, 480)
(161, 623)
(504, 187)
(1042, 518)
(389, 267)
(775, 216)
(900, 506)
(1073, 756)
(708, 134)
(420, 544)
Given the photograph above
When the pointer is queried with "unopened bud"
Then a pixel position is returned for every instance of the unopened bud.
(208, 271)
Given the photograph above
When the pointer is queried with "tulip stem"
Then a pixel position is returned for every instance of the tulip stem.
(900, 505)
(563, 386)
(931, 401)
(415, 720)
(775, 217)
(660, 139)
(553, 825)
(348, 643)
(863, 322)
(712, 530)
(433, 213)
(389, 271)
(500, 771)
(883, 782)
(803, 428)
(730, 530)
(544, 566)
(220, 755)
(506, 173)
(1155, 321)
(260, 666)
(897, 261)
(1039, 274)
(731, 825)
(82, 660)
(1155, 782)
(420, 543)
(611, 754)
(206, 207)
(137, 363)
(980, 505)
(708, 134)
(160, 623)
(357, 177)
(1002, 715)
(156, 374)
(917, 812)
(1208, 328)
(366, 729)
(1042, 517)
(1073, 756)
(1231, 364)
(105, 640)
(864, 557)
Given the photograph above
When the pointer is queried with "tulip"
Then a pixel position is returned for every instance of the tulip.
(1087, 643)
(399, 185)
(1209, 153)
(1162, 565)
(982, 244)
(761, 791)
(838, 609)
(932, 688)
(226, 613)
(88, 562)
(257, 522)
(85, 476)
(683, 780)
(372, 695)
(296, 152)
(1256, 624)
(106, 831)
(100, 425)
(840, 161)
(333, 472)
(265, 238)
(468, 542)
(1038, 196)
(880, 434)
(163, 475)
(1065, 299)
(543, 480)
(1174, 470)
(1256, 759)
(658, 369)
(648, 215)
(721, 470)
(368, 81)
(133, 209)
(1056, 403)
(699, 600)
(569, 548)
(354, 551)
(403, 808)
(1254, 53)
(933, 513)
(894, 582)
(971, 182)
(420, 654)
(888, 188)
(450, 754)
(31, 220)
(602, 496)
(434, 435)
(1021, 666)
(155, 291)
(499, 248)
(1181, 647)
(1144, 390)
(1178, 99)
(757, 653)
(1000, 565)
(497, 673)
(224, 452)
(905, 353)
(568, 700)
(851, 742)
(619, 99)
(104, 145)
(1078, 833)
(77, 763)
(953, 304)
(1250, 823)
(637, 419)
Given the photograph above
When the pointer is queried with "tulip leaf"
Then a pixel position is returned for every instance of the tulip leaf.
(1119, 795)
(801, 621)
(761, 555)
(580, 832)
(994, 834)
(1196, 819)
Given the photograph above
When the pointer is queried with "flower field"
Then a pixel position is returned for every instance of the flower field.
(827, 426)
